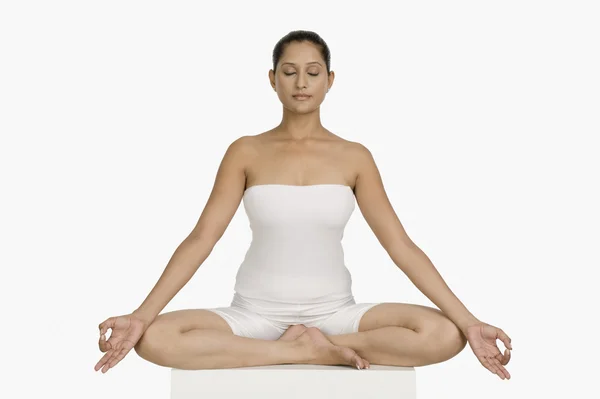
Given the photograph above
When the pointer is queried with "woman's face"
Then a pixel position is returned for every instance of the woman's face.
(301, 69)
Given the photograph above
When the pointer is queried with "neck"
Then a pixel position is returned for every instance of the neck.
(301, 126)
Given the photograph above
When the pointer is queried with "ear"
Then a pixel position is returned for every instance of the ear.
(272, 78)
(330, 78)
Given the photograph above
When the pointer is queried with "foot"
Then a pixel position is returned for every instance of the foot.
(323, 351)
(293, 332)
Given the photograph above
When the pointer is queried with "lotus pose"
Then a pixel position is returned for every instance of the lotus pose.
(293, 301)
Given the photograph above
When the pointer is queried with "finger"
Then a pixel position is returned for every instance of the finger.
(506, 357)
(120, 352)
(485, 362)
(111, 361)
(106, 324)
(504, 372)
(107, 364)
(493, 365)
(119, 357)
(103, 344)
(498, 365)
(500, 357)
(103, 360)
(499, 369)
(109, 344)
(505, 338)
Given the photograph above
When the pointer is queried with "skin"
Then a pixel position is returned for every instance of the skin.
(300, 151)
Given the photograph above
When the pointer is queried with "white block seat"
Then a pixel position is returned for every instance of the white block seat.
(291, 381)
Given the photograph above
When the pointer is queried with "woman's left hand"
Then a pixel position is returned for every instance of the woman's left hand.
(482, 339)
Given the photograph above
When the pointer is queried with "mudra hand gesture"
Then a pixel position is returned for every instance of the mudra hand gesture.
(126, 332)
(482, 339)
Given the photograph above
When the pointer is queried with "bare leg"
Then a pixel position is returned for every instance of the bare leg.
(350, 356)
(401, 346)
(293, 332)
(212, 349)
(331, 354)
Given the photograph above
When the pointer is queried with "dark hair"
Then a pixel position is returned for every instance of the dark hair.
(301, 36)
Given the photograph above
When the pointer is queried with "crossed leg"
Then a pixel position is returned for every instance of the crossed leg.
(399, 334)
(348, 354)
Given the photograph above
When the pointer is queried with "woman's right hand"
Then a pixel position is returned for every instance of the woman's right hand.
(126, 332)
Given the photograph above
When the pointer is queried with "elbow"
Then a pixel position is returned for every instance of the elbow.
(403, 252)
(204, 242)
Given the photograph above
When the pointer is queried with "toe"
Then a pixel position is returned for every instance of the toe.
(362, 363)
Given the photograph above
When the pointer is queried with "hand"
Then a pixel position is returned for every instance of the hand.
(482, 339)
(126, 332)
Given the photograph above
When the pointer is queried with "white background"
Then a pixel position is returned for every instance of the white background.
(483, 118)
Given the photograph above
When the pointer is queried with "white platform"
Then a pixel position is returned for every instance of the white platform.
(291, 381)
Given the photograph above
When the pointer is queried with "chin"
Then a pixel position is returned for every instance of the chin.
(303, 110)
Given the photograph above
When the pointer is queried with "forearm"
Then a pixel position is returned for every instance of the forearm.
(186, 260)
(421, 271)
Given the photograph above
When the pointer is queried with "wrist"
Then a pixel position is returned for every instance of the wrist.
(144, 316)
(464, 325)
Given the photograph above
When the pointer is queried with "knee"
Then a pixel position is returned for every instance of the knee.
(445, 340)
(151, 345)
(146, 344)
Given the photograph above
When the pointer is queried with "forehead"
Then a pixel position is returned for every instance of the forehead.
(301, 53)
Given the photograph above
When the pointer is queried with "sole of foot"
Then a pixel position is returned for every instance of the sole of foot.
(323, 351)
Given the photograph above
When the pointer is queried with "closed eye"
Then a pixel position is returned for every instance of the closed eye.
(293, 73)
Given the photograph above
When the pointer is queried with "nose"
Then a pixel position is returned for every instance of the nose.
(301, 83)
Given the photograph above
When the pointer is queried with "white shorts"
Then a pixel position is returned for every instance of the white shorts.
(268, 320)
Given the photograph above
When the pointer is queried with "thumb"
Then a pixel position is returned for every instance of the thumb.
(103, 344)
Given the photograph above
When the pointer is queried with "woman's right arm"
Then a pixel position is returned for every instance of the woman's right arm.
(222, 204)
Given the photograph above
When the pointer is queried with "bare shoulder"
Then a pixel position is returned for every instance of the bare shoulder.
(252, 145)
(358, 150)
(240, 151)
(242, 145)
(360, 157)
(354, 156)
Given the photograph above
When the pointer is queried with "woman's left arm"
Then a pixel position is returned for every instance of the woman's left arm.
(382, 219)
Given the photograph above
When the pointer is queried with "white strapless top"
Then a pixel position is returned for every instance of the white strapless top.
(296, 254)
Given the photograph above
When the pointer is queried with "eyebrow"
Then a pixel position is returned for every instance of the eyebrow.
(291, 63)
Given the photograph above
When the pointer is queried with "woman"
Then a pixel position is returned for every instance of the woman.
(293, 301)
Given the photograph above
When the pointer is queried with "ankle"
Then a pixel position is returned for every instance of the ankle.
(305, 347)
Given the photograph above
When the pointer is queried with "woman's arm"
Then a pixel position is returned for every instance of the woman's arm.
(380, 216)
(222, 204)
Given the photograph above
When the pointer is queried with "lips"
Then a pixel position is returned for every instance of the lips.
(301, 97)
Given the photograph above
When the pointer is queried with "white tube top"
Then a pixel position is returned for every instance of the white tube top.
(296, 254)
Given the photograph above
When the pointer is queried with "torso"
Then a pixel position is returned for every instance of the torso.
(325, 160)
